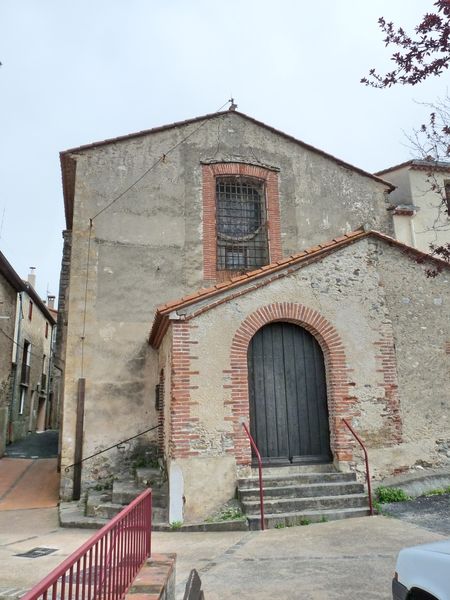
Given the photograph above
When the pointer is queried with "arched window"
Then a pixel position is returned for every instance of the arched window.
(240, 224)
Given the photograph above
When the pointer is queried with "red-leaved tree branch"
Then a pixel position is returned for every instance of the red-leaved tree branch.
(425, 53)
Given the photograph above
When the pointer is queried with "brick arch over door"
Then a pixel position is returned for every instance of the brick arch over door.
(341, 404)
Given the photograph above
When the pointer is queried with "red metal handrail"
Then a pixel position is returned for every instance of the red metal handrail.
(366, 458)
(261, 491)
(104, 567)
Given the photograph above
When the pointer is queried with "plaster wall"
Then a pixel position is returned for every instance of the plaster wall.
(361, 291)
(404, 229)
(430, 224)
(146, 248)
(400, 178)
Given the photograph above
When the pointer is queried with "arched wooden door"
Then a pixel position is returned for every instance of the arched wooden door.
(288, 399)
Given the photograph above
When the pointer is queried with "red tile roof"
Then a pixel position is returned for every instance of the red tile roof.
(161, 319)
(68, 162)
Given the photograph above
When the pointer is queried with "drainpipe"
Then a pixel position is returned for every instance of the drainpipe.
(15, 377)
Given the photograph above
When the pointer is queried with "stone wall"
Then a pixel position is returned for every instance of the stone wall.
(386, 323)
(8, 299)
(146, 248)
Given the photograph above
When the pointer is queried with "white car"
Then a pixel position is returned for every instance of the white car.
(423, 572)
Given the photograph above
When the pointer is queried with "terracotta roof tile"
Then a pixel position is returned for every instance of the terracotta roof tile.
(160, 322)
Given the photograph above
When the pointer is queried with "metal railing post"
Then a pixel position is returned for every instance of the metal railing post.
(261, 492)
(366, 459)
(114, 554)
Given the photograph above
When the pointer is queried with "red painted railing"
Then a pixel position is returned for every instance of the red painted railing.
(104, 567)
(366, 459)
(261, 490)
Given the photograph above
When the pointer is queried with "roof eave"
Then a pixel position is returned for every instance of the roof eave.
(162, 316)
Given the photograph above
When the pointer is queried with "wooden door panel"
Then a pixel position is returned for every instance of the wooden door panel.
(287, 393)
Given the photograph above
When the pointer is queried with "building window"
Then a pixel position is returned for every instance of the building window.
(26, 361)
(30, 310)
(241, 219)
(46, 329)
(23, 396)
(240, 224)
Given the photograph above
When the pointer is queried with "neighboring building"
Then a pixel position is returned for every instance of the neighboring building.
(10, 286)
(420, 203)
(227, 196)
(26, 358)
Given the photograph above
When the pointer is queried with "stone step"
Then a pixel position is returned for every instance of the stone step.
(302, 491)
(295, 470)
(105, 510)
(72, 514)
(292, 505)
(149, 477)
(299, 479)
(291, 519)
(124, 492)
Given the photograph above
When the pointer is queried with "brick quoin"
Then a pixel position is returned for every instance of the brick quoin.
(341, 402)
(181, 419)
(387, 365)
(270, 179)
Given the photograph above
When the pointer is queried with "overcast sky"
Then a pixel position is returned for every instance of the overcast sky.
(80, 71)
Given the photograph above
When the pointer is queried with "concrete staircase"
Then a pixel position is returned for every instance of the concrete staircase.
(101, 506)
(299, 495)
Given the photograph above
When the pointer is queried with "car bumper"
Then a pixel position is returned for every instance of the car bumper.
(399, 592)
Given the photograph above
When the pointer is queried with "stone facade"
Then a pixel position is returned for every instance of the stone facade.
(383, 328)
(10, 285)
(130, 253)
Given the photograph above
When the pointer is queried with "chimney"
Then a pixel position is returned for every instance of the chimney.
(51, 301)
(32, 277)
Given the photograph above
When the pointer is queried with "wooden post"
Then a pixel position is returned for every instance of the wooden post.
(78, 455)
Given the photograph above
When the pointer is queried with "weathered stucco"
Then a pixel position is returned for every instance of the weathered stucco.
(376, 297)
(146, 248)
(8, 301)
(430, 223)
(36, 398)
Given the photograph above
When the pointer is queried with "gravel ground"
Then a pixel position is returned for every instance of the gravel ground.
(429, 512)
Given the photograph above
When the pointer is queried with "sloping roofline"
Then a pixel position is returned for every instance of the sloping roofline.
(9, 274)
(419, 165)
(20, 285)
(163, 312)
(68, 162)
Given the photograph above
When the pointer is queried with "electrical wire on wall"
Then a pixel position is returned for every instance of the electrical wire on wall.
(160, 160)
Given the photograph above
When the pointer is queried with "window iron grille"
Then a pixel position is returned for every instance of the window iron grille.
(241, 224)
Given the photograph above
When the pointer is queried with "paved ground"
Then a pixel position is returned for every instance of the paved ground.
(28, 477)
(341, 559)
(36, 445)
(337, 560)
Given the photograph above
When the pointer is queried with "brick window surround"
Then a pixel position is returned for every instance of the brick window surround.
(270, 179)
(341, 403)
